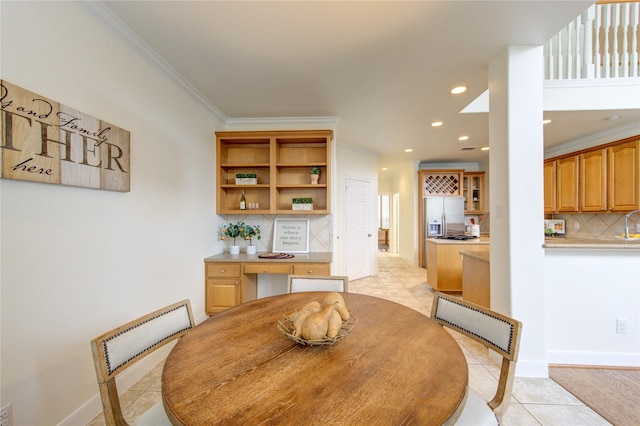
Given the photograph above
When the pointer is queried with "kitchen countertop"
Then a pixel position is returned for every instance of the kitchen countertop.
(584, 243)
(316, 257)
(484, 239)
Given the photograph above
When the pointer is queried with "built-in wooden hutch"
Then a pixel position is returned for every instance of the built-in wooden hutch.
(281, 161)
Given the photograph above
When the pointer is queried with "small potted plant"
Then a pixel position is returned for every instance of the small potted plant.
(315, 175)
(248, 233)
(302, 203)
(232, 231)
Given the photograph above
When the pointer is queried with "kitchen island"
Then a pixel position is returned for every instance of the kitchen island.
(444, 262)
(476, 273)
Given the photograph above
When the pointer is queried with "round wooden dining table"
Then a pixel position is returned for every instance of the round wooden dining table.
(396, 367)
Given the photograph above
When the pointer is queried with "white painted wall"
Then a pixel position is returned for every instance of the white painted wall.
(586, 291)
(76, 262)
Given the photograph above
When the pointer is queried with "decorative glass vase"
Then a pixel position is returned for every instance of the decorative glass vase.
(314, 179)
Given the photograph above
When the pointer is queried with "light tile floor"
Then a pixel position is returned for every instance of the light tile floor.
(534, 401)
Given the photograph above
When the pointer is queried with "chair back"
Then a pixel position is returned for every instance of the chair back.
(495, 331)
(299, 283)
(122, 347)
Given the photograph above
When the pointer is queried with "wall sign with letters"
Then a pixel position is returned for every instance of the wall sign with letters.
(291, 235)
(44, 141)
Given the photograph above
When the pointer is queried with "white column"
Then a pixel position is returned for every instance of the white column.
(517, 206)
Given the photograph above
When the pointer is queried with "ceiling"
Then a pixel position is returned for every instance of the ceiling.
(385, 69)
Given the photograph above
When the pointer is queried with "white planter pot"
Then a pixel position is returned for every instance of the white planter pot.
(302, 206)
(251, 249)
(234, 250)
(246, 181)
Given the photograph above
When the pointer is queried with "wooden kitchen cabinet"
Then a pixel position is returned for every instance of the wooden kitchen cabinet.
(567, 184)
(440, 182)
(593, 181)
(230, 281)
(444, 263)
(281, 160)
(222, 287)
(473, 192)
(624, 176)
(311, 269)
(601, 179)
(550, 187)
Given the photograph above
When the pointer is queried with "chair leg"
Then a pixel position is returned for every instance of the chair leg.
(500, 401)
(111, 404)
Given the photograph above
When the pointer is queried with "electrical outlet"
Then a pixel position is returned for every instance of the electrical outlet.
(621, 328)
(5, 415)
(576, 225)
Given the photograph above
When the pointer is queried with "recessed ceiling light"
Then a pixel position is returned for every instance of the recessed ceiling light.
(463, 138)
(458, 90)
(437, 124)
(408, 150)
(484, 148)
(385, 169)
(547, 121)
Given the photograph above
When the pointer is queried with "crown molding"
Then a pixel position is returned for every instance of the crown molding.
(282, 123)
(104, 15)
(590, 141)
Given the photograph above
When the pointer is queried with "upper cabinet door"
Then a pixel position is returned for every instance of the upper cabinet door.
(593, 181)
(567, 184)
(624, 176)
(550, 187)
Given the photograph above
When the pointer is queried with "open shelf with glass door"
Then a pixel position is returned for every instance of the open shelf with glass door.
(473, 192)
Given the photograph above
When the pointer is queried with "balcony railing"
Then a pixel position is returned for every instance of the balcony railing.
(600, 43)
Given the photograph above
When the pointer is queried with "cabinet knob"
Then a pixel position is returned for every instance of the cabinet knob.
(309, 272)
(266, 270)
(222, 271)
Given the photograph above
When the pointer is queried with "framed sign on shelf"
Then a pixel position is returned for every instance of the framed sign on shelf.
(291, 235)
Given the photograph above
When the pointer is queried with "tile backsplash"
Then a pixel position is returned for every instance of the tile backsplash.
(603, 226)
(320, 231)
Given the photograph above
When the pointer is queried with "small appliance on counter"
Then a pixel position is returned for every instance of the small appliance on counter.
(557, 226)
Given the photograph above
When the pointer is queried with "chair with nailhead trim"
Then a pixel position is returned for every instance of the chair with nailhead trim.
(497, 332)
(122, 347)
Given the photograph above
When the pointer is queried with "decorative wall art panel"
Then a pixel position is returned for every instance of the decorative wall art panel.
(44, 141)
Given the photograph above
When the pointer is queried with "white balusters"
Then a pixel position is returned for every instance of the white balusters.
(600, 43)
(634, 60)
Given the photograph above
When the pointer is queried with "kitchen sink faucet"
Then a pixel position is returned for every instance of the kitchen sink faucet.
(626, 223)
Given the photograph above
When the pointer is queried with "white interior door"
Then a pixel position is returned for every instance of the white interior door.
(359, 206)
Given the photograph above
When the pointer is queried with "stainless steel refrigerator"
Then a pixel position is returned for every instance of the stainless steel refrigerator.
(443, 216)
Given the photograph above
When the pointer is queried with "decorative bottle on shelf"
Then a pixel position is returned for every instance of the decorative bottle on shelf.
(243, 201)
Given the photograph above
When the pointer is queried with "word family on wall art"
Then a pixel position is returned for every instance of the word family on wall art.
(44, 141)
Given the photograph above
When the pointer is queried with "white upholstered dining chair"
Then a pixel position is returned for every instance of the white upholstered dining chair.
(122, 347)
(497, 332)
(299, 283)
